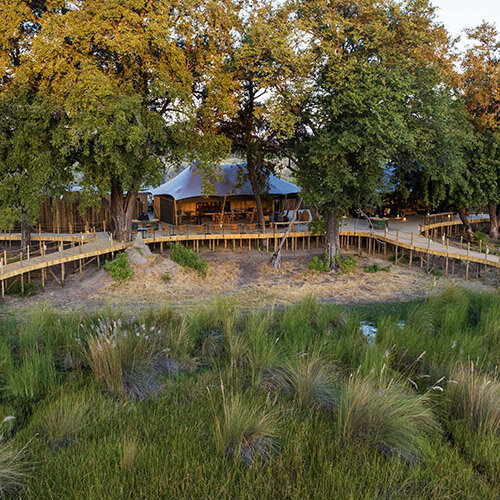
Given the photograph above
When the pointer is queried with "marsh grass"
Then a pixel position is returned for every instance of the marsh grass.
(290, 423)
(12, 470)
(384, 416)
(473, 397)
(62, 420)
(246, 430)
(309, 378)
(32, 379)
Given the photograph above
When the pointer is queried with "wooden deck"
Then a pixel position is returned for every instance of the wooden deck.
(402, 236)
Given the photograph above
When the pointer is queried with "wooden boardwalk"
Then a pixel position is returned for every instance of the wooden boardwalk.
(401, 236)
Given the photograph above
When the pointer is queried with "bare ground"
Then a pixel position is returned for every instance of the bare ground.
(247, 277)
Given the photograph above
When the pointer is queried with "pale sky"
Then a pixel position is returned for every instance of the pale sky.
(459, 14)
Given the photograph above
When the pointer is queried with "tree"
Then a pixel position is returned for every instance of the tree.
(265, 65)
(140, 83)
(366, 79)
(481, 88)
(31, 167)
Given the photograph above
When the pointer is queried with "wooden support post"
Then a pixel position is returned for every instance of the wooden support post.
(411, 249)
(396, 251)
(467, 263)
(234, 245)
(359, 244)
(3, 290)
(308, 242)
(428, 253)
(447, 254)
(22, 284)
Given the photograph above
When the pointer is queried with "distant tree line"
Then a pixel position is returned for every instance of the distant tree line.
(345, 91)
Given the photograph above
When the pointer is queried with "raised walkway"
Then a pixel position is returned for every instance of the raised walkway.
(402, 235)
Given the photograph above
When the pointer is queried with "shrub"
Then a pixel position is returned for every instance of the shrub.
(247, 430)
(480, 236)
(309, 378)
(318, 265)
(375, 268)
(474, 398)
(347, 264)
(119, 269)
(383, 416)
(189, 259)
(30, 289)
(166, 277)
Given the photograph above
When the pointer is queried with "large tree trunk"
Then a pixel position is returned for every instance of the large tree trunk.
(25, 235)
(465, 221)
(332, 236)
(493, 209)
(121, 212)
(256, 192)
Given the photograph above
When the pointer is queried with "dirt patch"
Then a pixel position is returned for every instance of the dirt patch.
(246, 276)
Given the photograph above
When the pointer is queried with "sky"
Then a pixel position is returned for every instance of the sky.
(459, 14)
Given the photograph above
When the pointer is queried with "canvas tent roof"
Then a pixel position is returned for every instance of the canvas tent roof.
(188, 184)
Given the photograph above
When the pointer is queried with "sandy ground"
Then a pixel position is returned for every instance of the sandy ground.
(248, 277)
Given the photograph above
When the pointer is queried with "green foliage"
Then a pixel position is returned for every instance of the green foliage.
(480, 236)
(166, 278)
(30, 289)
(375, 268)
(188, 258)
(119, 269)
(318, 265)
(346, 264)
(437, 273)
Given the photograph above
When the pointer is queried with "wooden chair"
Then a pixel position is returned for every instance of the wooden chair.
(200, 228)
(233, 228)
(252, 228)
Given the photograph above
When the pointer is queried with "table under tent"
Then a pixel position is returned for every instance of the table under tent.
(190, 198)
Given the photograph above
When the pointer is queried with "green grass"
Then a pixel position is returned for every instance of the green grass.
(278, 403)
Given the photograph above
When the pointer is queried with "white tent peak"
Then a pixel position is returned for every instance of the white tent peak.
(188, 184)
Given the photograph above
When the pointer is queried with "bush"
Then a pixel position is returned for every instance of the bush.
(119, 269)
(384, 417)
(318, 265)
(166, 277)
(187, 258)
(480, 236)
(30, 289)
(346, 265)
(375, 268)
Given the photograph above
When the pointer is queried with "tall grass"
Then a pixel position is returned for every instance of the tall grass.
(246, 430)
(309, 378)
(474, 398)
(383, 416)
(119, 354)
(12, 470)
(32, 378)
